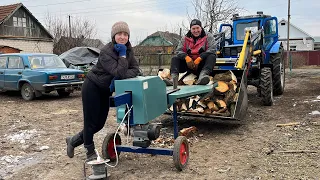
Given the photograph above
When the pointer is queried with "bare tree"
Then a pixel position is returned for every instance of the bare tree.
(81, 29)
(213, 12)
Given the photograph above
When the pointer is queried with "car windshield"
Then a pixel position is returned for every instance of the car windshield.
(243, 27)
(46, 61)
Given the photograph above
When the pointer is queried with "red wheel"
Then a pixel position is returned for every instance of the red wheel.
(181, 153)
(108, 151)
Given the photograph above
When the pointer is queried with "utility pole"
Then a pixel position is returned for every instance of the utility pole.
(69, 26)
(288, 36)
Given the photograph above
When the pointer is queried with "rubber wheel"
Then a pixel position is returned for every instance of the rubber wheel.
(63, 92)
(181, 153)
(278, 72)
(27, 92)
(108, 147)
(266, 86)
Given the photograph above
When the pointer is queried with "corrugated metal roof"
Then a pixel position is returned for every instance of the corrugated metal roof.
(5, 11)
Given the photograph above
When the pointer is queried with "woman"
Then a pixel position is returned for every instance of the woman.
(116, 61)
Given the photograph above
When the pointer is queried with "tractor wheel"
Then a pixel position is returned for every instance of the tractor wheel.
(27, 92)
(266, 86)
(278, 72)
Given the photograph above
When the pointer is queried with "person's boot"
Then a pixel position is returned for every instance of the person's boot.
(204, 78)
(73, 142)
(91, 153)
(169, 82)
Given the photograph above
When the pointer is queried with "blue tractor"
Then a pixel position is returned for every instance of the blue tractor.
(254, 40)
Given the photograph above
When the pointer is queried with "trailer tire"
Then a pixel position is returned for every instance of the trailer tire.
(266, 86)
(278, 72)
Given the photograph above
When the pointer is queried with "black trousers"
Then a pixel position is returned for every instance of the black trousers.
(95, 102)
(179, 65)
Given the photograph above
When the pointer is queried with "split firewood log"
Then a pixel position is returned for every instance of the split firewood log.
(165, 73)
(222, 87)
(221, 104)
(225, 114)
(189, 79)
(229, 94)
(212, 106)
(199, 109)
(227, 77)
(207, 111)
(183, 107)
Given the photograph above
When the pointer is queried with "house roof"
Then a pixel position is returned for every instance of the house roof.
(283, 20)
(316, 39)
(7, 10)
(171, 38)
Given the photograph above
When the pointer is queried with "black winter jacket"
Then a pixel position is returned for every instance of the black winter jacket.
(111, 65)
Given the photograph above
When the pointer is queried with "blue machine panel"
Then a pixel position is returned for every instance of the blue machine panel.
(149, 98)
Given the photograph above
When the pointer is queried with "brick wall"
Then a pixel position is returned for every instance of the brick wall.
(29, 46)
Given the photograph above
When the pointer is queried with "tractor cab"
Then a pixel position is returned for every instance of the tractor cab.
(263, 27)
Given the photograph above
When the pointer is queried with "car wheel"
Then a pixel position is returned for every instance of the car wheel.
(63, 92)
(27, 92)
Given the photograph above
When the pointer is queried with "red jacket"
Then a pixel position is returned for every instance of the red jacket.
(194, 49)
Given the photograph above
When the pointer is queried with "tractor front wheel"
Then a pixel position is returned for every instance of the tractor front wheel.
(266, 86)
(278, 72)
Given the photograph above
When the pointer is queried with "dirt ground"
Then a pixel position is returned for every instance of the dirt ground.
(32, 139)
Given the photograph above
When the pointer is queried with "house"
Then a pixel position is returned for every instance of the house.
(317, 43)
(299, 39)
(66, 43)
(158, 42)
(8, 49)
(19, 29)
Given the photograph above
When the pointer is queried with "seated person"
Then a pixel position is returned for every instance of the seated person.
(195, 54)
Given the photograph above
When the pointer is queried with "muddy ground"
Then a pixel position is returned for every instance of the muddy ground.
(32, 139)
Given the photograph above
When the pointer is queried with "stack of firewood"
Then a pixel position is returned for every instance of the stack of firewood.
(219, 102)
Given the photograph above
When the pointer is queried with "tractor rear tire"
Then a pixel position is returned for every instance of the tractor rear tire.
(266, 86)
(278, 72)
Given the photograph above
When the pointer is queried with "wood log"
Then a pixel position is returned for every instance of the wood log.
(227, 77)
(221, 104)
(225, 114)
(183, 107)
(187, 131)
(207, 111)
(230, 94)
(222, 87)
(212, 106)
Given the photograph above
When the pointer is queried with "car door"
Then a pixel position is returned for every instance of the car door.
(13, 73)
(3, 66)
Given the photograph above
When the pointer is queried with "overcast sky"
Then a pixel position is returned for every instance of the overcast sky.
(147, 16)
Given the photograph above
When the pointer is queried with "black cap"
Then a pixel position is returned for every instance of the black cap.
(195, 22)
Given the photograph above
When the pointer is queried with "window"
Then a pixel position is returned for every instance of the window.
(3, 62)
(270, 27)
(293, 48)
(15, 62)
(243, 27)
(19, 22)
(46, 61)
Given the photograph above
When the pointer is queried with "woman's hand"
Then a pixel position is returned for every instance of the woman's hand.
(121, 49)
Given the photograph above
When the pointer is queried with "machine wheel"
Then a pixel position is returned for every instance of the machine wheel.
(108, 147)
(63, 92)
(27, 92)
(266, 86)
(181, 153)
(278, 72)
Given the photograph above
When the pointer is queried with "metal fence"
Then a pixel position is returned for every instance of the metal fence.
(303, 58)
(151, 63)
